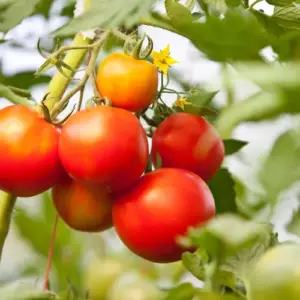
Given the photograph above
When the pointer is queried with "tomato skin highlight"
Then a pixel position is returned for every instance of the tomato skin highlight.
(159, 207)
(188, 142)
(85, 208)
(29, 157)
(128, 83)
(104, 145)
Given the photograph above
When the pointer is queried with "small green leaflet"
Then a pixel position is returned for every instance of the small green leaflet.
(15, 13)
(177, 12)
(232, 146)
(107, 14)
(288, 16)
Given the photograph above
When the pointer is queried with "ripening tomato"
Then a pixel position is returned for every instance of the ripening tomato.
(276, 275)
(159, 207)
(188, 142)
(29, 161)
(83, 207)
(128, 83)
(104, 145)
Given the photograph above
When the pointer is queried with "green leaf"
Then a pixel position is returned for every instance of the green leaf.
(233, 3)
(194, 264)
(232, 146)
(288, 16)
(23, 80)
(222, 188)
(280, 2)
(238, 36)
(282, 167)
(43, 7)
(107, 14)
(207, 295)
(294, 224)
(215, 237)
(239, 263)
(15, 13)
(177, 12)
(184, 291)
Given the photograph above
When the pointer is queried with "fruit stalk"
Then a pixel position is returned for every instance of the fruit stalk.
(7, 203)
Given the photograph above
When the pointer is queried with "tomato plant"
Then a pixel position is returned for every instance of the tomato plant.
(91, 149)
(210, 88)
(83, 207)
(199, 149)
(129, 83)
(159, 208)
(29, 152)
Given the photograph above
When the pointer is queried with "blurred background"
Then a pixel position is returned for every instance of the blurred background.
(27, 244)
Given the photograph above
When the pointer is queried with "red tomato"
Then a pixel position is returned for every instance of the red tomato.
(29, 161)
(161, 206)
(188, 142)
(83, 207)
(128, 83)
(104, 145)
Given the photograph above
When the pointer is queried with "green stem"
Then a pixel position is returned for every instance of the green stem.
(57, 107)
(227, 85)
(257, 107)
(7, 203)
(59, 82)
(7, 93)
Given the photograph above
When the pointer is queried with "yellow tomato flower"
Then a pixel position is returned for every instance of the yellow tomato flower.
(181, 102)
(162, 60)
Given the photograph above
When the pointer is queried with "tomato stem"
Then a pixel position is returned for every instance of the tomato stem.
(9, 94)
(50, 254)
(58, 106)
(7, 202)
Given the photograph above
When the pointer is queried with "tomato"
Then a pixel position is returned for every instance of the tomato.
(127, 82)
(135, 286)
(188, 142)
(159, 207)
(83, 207)
(104, 145)
(100, 275)
(29, 157)
(276, 275)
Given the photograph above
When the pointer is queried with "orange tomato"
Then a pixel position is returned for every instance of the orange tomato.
(127, 82)
(83, 207)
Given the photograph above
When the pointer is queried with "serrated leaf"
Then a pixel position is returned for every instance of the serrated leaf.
(222, 188)
(177, 12)
(232, 146)
(107, 14)
(15, 13)
(214, 237)
(288, 16)
(294, 224)
(238, 36)
(280, 2)
(184, 291)
(282, 167)
(194, 264)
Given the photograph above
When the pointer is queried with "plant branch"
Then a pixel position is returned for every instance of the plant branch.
(90, 68)
(7, 203)
(8, 94)
(50, 254)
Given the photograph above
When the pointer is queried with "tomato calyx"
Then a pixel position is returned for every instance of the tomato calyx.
(133, 47)
(45, 113)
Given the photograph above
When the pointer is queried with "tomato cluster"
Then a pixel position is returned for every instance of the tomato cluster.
(95, 163)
